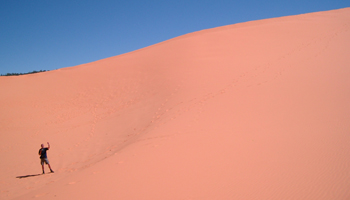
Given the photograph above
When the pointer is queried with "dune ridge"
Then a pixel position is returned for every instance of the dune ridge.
(256, 110)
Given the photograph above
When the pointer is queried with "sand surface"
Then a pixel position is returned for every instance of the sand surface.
(257, 110)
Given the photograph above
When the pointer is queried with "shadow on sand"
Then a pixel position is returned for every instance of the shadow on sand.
(27, 176)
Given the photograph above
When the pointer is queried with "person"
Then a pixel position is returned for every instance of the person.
(43, 157)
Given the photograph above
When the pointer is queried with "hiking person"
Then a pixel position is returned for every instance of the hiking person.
(43, 157)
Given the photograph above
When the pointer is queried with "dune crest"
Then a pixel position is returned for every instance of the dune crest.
(257, 110)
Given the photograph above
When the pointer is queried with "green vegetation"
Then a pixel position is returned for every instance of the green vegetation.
(18, 74)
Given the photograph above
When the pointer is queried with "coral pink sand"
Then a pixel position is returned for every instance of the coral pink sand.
(257, 110)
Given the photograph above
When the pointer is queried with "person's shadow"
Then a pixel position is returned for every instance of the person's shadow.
(27, 176)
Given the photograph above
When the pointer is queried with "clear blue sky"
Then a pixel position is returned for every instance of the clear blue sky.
(52, 34)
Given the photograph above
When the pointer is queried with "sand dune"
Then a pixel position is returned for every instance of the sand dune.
(257, 110)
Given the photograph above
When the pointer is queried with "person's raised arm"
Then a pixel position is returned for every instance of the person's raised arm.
(48, 145)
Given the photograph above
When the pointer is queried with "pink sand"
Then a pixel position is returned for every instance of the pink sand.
(257, 110)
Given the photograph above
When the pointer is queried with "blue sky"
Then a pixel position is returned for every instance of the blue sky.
(48, 34)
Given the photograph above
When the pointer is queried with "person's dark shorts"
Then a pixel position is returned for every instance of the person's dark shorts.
(44, 160)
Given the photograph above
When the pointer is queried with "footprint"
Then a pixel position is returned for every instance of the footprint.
(40, 195)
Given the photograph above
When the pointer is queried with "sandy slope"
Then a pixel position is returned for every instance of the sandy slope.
(257, 110)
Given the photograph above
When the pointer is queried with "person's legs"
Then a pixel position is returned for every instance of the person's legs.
(48, 163)
(50, 167)
(43, 161)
